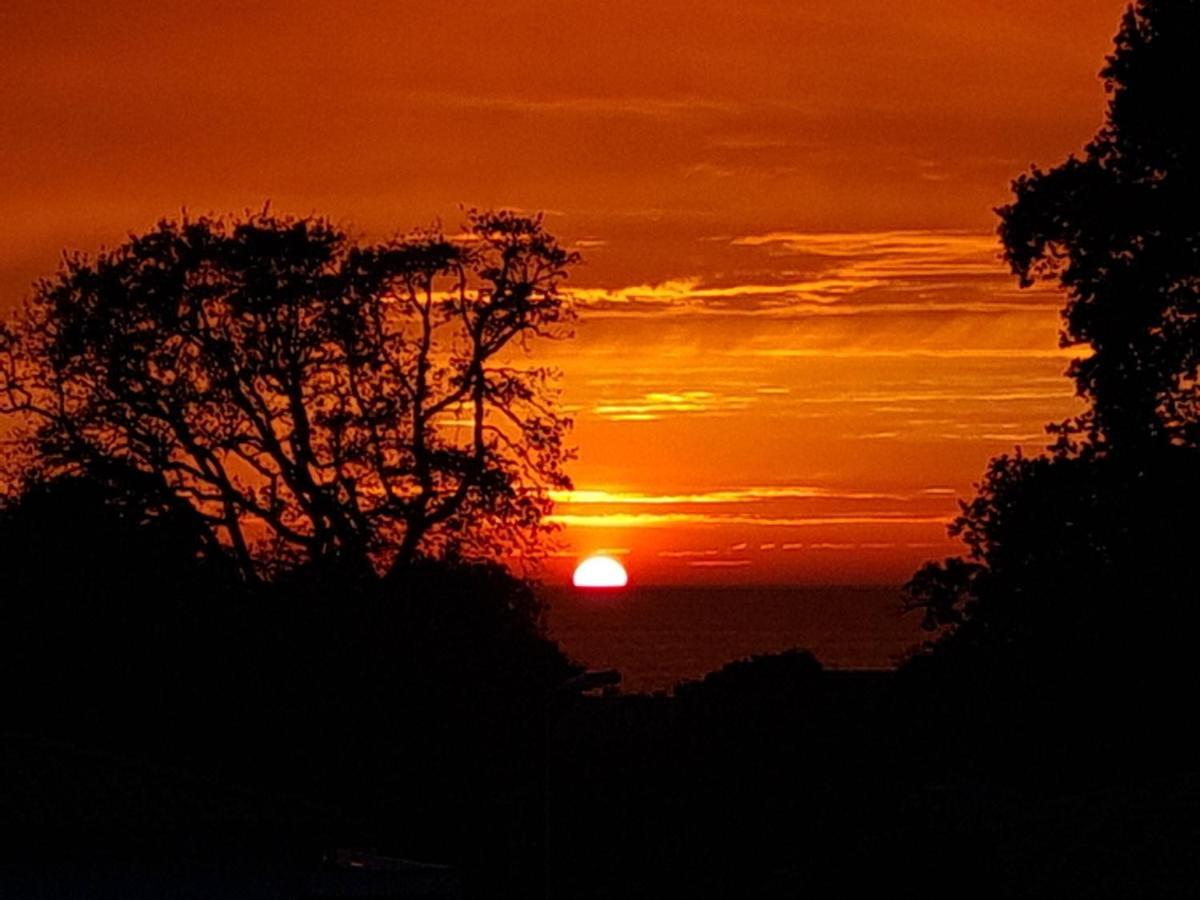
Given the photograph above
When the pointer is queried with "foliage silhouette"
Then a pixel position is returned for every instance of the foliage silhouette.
(312, 398)
(264, 479)
(1119, 230)
(775, 676)
(100, 612)
(401, 706)
(1075, 602)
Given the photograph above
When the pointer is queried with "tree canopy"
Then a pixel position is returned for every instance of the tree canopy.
(1119, 229)
(311, 397)
(1081, 554)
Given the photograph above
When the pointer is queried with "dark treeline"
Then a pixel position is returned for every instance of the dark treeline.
(363, 676)
(323, 709)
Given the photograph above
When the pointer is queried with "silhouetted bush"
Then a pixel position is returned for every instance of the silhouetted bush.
(776, 677)
(406, 705)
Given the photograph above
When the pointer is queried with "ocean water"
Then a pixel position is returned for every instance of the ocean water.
(659, 636)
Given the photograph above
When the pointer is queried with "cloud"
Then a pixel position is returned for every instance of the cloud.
(695, 292)
(633, 106)
(665, 520)
(890, 254)
(805, 274)
(655, 404)
(947, 353)
(720, 497)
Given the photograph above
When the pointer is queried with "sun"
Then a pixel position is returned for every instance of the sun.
(600, 572)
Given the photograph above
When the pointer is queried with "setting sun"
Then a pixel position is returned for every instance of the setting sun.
(600, 572)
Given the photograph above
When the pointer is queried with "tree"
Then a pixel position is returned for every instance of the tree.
(312, 398)
(1073, 554)
(1079, 556)
(1119, 230)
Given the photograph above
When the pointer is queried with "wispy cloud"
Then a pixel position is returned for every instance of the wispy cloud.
(720, 497)
(664, 520)
(603, 107)
(695, 292)
(800, 274)
(948, 353)
(890, 254)
(656, 404)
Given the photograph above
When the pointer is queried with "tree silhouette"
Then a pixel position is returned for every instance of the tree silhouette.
(311, 398)
(1078, 558)
(1119, 229)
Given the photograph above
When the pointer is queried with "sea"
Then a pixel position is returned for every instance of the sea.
(659, 636)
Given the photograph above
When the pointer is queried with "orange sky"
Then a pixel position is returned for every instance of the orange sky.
(797, 345)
